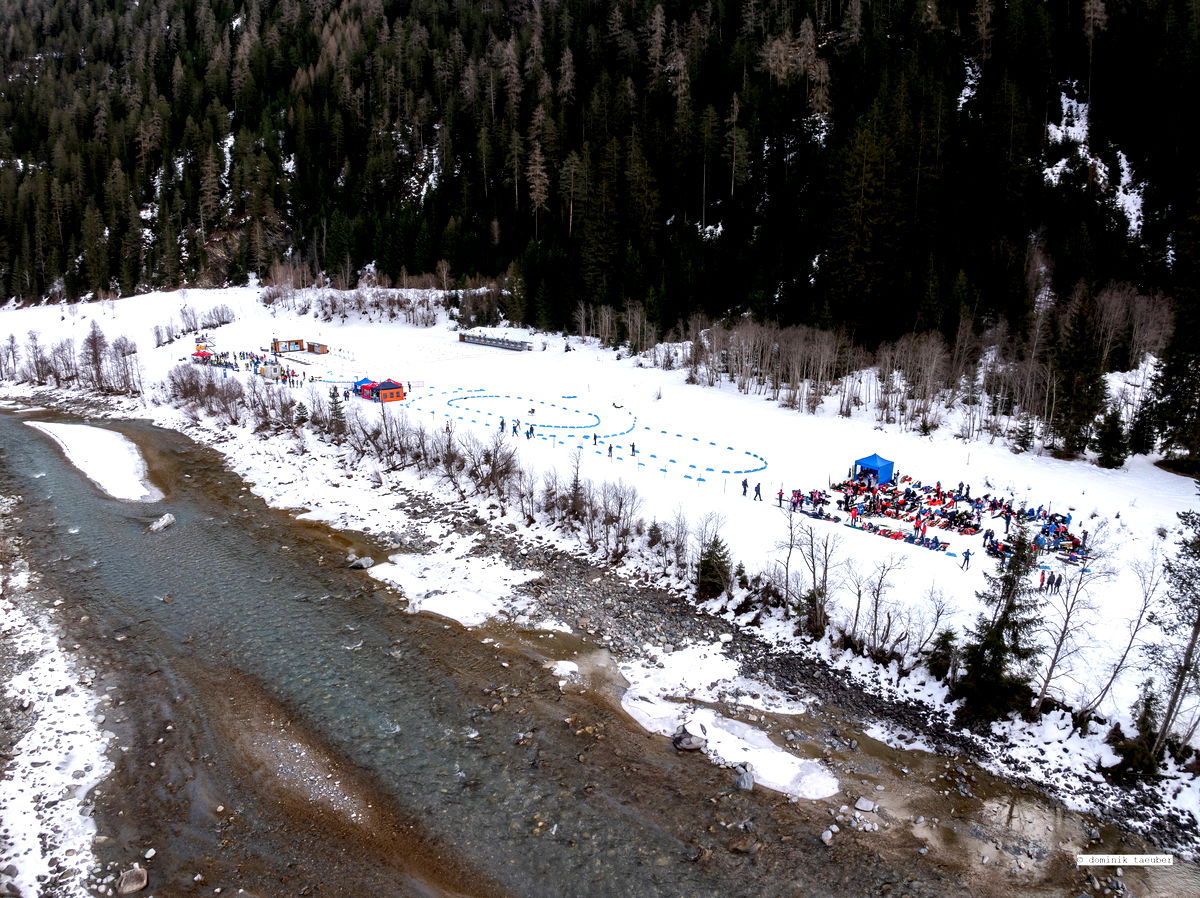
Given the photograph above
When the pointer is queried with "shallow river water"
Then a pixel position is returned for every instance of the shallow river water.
(286, 728)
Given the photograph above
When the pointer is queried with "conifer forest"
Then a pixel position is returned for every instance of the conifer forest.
(1013, 175)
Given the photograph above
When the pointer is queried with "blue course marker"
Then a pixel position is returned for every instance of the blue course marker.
(672, 461)
(710, 470)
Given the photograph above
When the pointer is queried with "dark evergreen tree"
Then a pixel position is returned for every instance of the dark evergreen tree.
(995, 676)
(1175, 394)
(337, 415)
(944, 655)
(1023, 436)
(854, 182)
(1141, 430)
(1081, 392)
(1111, 442)
(712, 569)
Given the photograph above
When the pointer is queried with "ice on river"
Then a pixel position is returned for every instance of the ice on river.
(109, 459)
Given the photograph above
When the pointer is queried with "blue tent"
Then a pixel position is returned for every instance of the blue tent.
(359, 384)
(880, 467)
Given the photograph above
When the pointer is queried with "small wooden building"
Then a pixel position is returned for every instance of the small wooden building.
(318, 348)
(287, 346)
(388, 391)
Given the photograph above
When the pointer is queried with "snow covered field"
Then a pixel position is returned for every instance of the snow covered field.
(694, 446)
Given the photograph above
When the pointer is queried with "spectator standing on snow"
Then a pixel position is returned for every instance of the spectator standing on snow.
(966, 562)
(1042, 581)
(758, 492)
(779, 497)
(745, 485)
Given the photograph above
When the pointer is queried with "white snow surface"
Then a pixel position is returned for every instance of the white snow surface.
(451, 583)
(1127, 192)
(45, 786)
(668, 690)
(694, 446)
(108, 459)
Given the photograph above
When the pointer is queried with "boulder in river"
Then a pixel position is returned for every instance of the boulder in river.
(132, 880)
(162, 523)
(361, 564)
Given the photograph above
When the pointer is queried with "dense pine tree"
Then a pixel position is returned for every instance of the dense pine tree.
(995, 677)
(712, 569)
(1112, 445)
(873, 167)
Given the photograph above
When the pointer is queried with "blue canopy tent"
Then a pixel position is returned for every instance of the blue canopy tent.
(880, 467)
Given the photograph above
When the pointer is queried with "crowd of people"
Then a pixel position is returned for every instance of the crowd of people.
(919, 514)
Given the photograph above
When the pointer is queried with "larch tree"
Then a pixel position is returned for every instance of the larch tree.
(92, 353)
(539, 182)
